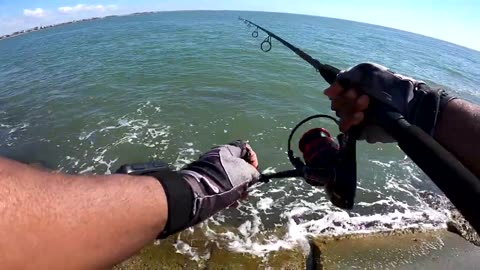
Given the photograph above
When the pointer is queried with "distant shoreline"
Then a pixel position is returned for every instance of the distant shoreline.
(38, 28)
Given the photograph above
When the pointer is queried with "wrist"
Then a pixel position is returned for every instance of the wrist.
(161, 215)
(180, 201)
(425, 109)
(176, 194)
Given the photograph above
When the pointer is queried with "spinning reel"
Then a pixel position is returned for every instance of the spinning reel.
(326, 162)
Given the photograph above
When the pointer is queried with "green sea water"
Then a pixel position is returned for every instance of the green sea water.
(90, 96)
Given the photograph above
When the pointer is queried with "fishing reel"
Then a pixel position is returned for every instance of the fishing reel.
(328, 163)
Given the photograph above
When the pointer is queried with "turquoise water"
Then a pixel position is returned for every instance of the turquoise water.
(88, 97)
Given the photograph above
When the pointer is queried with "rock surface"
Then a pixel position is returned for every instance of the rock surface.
(405, 250)
(460, 226)
(408, 249)
(208, 255)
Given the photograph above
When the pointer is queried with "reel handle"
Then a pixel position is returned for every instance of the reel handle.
(341, 191)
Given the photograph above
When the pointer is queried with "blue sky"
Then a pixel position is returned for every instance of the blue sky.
(457, 21)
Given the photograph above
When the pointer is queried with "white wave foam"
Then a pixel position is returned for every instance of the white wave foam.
(269, 170)
(192, 252)
(246, 239)
(13, 133)
(84, 136)
(332, 223)
(184, 157)
(87, 169)
(383, 164)
(389, 201)
(20, 126)
(275, 190)
(304, 217)
(264, 203)
(134, 128)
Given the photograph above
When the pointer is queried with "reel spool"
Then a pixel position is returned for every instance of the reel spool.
(326, 162)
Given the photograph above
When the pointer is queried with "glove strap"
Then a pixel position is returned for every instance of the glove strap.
(180, 201)
(428, 104)
(445, 98)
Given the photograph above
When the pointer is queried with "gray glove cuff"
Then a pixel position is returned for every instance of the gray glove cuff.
(417, 102)
(425, 107)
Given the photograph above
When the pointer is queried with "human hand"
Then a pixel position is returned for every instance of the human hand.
(350, 106)
(220, 177)
(413, 99)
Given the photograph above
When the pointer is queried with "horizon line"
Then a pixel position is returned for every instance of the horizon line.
(230, 10)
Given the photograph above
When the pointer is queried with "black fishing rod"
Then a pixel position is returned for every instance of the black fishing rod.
(458, 183)
(329, 73)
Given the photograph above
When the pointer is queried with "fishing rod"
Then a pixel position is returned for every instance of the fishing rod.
(329, 73)
(458, 183)
(334, 166)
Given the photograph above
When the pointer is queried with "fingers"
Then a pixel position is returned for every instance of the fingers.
(362, 103)
(334, 90)
(348, 105)
(351, 120)
(253, 160)
(241, 149)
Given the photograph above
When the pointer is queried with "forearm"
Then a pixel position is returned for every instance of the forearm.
(55, 221)
(458, 130)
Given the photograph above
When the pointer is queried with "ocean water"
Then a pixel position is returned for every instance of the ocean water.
(88, 97)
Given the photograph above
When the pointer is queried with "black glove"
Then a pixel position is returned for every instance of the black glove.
(416, 101)
(204, 187)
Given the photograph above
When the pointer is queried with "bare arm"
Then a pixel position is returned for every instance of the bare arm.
(57, 221)
(458, 130)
